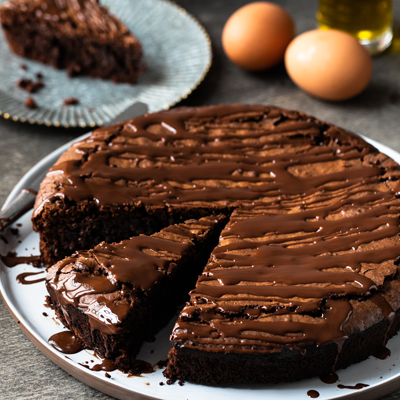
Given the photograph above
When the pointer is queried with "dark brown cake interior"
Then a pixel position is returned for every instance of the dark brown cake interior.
(115, 296)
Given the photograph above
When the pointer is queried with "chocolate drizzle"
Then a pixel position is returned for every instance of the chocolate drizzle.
(66, 342)
(109, 280)
(329, 379)
(355, 387)
(313, 241)
(287, 274)
(22, 278)
(12, 260)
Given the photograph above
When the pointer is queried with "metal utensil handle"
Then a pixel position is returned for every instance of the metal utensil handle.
(22, 203)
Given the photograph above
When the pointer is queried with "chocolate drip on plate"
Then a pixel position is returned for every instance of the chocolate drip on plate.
(12, 260)
(22, 278)
(355, 387)
(66, 342)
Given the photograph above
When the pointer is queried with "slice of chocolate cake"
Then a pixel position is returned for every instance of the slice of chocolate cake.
(78, 35)
(116, 295)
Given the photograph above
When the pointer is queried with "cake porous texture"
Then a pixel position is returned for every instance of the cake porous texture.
(303, 279)
(115, 296)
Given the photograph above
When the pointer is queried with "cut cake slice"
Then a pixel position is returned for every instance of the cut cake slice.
(80, 36)
(114, 296)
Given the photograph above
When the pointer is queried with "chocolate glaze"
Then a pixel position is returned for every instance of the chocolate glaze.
(21, 278)
(109, 279)
(66, 342)
(314, 279)
(329, 379)
(105, 365)
(313, 394)
(355, 387)
(172, 172)
(268, 182)
(12, 260)
(315, 232)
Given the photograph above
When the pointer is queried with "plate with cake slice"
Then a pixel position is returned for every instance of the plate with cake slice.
(291, 222)
(79, 64)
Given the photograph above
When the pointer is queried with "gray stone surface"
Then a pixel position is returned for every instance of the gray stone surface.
(24, 371)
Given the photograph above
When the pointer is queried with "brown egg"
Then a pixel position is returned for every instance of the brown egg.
(255, 37)
(329, 64)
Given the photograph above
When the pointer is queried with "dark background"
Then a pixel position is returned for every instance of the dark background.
(24, 371)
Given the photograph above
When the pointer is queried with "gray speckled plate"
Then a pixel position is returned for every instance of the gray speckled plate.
(177, 53)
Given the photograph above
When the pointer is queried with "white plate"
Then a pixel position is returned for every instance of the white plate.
(177, 54)
(26, 304)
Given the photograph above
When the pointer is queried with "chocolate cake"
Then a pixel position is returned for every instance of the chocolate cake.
(304, 279)
(78, 35)
(114, 296)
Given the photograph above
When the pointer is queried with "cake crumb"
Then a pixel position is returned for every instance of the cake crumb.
(45, 314)
(48, 302)
(29, 85)
(15, 231)
(30, 103)
(39, 75)
(23, 66)
(71, 101)
(180, 382)
(161, 383)
(107, 375)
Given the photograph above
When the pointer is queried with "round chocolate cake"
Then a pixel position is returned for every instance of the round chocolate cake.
(304, 279)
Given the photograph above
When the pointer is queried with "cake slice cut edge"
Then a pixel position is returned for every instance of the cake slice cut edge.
(114, 296)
